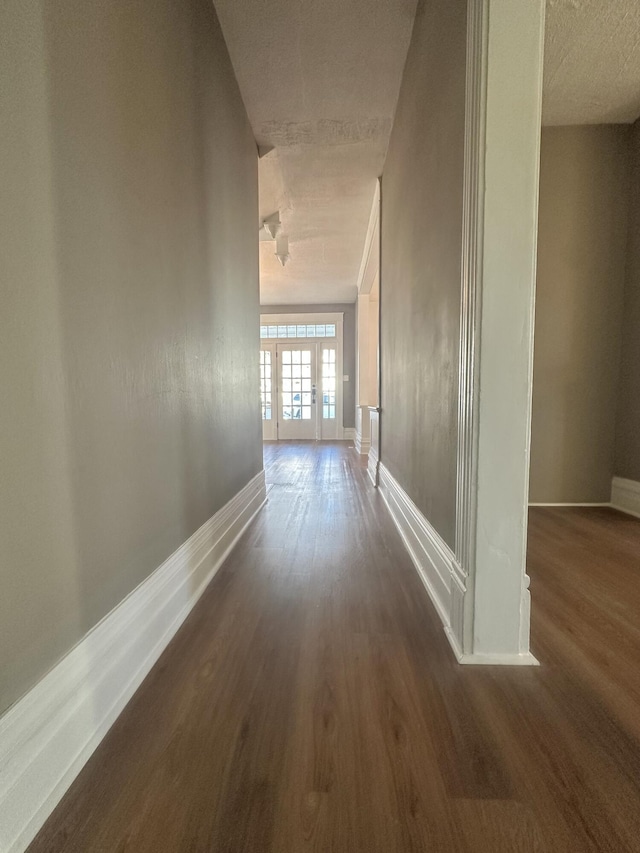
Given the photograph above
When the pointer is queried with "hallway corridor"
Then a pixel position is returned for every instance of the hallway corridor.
(311, 702)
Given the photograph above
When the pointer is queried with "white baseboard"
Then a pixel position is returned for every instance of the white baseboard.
(47, 737)
(373, 466)
(569, 505)
(625, 496)
(431, 555)
(362, 445)
(526, 659)
(440, 572)
(349, 433)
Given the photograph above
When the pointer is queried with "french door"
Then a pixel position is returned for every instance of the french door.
(299, 390)
(297, 415)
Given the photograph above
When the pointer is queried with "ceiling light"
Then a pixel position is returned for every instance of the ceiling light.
(282, 249)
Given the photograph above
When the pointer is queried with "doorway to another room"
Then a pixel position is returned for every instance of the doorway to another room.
(301, 377)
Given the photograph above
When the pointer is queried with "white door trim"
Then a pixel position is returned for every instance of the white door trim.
(334, 317)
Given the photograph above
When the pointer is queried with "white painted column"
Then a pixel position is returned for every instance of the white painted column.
(363, 434)
(364, 347)
(374, 342)
(490, 615)
(367, 310)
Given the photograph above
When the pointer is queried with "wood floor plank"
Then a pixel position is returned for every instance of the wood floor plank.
(311, 703)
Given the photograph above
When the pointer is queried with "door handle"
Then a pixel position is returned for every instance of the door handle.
(313, 395)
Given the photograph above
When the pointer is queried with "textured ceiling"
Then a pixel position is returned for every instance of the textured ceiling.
(320, 80)
(592, 62)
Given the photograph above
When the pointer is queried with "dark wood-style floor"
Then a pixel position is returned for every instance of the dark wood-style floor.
(311, 701)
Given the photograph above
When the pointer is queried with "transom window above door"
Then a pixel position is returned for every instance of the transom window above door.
(306, 330)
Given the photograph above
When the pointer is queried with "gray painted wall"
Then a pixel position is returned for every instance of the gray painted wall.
(128, 346)
(421, 275)
(580, 284)
(627, 460)
(349, 347)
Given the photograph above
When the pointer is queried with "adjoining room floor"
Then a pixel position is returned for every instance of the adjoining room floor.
(311, 701)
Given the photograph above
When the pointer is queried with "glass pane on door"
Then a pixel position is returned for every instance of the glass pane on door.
(265, 384)
(328, 384)
(296, 385)
(297, 400)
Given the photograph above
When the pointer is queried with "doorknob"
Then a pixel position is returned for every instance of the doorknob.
(313, 395)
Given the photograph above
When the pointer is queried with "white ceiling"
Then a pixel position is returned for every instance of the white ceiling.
(320, 80)
(592, 62)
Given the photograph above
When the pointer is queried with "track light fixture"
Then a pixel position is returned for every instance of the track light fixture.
(272, 225)
(282, 249)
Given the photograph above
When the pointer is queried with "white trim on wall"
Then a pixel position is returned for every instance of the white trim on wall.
(373, 466)
(370, 261)
(431, 555)
(470, 311)
(625, 496)
(349, 433)
(438, 569)
(513, 103)
(362, 445)
(568, 505)
(362, 440)
(47, 737)
(373, 458)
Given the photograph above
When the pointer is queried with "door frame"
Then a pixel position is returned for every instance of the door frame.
(326, 433)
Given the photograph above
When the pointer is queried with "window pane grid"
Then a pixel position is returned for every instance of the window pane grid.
(265, 384)
(296, 385)
(328, 384)
(318, 330)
